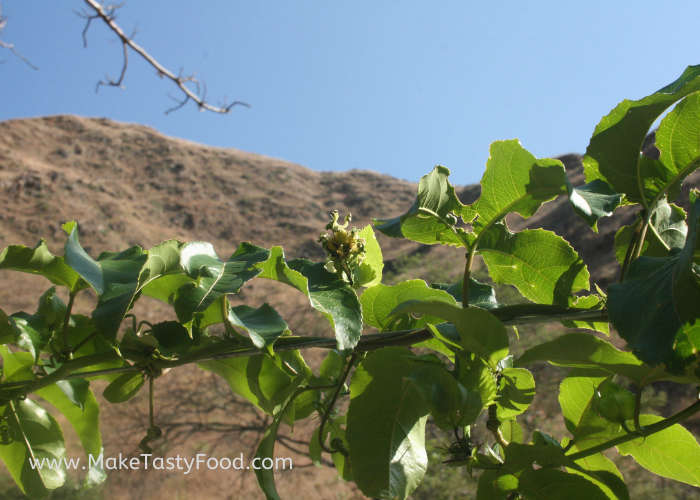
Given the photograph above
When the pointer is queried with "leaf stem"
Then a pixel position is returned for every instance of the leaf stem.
(637, 409)
(642, 235)
(648, 430)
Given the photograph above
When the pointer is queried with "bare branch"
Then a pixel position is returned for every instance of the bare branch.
(10, 46)
(106, 12)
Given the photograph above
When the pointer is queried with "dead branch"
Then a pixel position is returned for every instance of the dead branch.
(107, 14)
(10, 46)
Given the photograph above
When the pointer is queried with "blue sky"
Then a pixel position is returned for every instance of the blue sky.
(394, 87)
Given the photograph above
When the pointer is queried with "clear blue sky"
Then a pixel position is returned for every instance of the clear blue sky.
(395, 87)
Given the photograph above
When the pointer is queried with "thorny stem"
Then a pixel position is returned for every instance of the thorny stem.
(642, 235)
(329, 408)
(85, 341)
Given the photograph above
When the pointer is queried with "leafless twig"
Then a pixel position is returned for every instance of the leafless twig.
(106, 12)
(11, 46)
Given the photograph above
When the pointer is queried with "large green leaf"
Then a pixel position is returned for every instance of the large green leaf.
(266, 448)
(667, 229)
(479, 330)
(213, 277)
(437, 196)
(39, 260)
(614, 483)
(658, 297)
(38, 437)
(673, 452)
(541, 265)
(678, 140)
(84, 420)
(582, 350)
(328, 293)
(613, 154)
(386, 426)
(259, 379)
(514, 181)
(378, 302)
(516, 390)
(579, 405)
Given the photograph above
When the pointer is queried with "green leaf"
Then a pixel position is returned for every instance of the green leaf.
(124, 387)
(678, 140)
(328, 293)
(553, 484)
(541, 265)
(578, 397)
(369, 273)
(667, 229)
(264, 324)
(593, 201)
(615, 403)
(516, 390)
(213, 277)
(386, 426)
(31, 333)
(613, 154)
(52, 308)
(436, 195)
(75, 390)
(259, 379)
(658, 297)
(673, 452)
(121, 268)
(582, 350)
(330, 368)
(479, 330)
(84, 419)
(7, 333)
(476, 375)
(173, 338)
(340, 461)
(451, 404)
(163, 259)
(266, 448)
(39, 260)
(378, 302)
(511, 430)
(589, 302)
(37, 437)
(514, 181)
(611, 481)
(165, 287)
(480, 294)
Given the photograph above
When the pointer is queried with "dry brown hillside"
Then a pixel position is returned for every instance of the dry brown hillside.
(129, 185)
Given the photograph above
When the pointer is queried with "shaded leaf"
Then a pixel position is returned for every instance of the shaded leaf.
(124, 387)
(39, 260)
(593, 201)
(480, 294)
(516, 390)
(386, 426)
